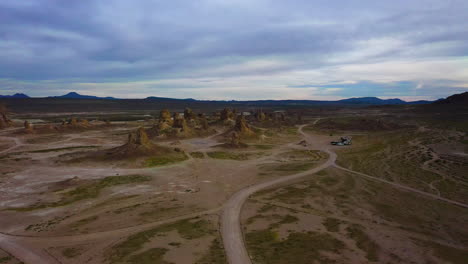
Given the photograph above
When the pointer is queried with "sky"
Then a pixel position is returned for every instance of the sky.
(235, 50)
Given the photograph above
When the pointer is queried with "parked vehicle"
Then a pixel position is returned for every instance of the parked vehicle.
(344, 141)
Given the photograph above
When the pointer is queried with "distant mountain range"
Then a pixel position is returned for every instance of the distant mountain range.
(74, 95)
(16, 95)
(378, 101)
(350, 101)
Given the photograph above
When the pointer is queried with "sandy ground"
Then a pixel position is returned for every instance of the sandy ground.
(207, 188)
(31, 173)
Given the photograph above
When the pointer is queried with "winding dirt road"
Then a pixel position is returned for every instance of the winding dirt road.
(230, 219)
(231, 230)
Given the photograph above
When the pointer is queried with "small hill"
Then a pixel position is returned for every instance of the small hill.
(138, 151)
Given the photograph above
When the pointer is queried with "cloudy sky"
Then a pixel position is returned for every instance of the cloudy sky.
(242, 49)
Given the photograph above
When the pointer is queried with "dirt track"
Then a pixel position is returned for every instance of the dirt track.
(231, 230)
(230, 220)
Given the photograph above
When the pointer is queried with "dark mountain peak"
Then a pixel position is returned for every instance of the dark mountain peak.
(371, 100)
(72, 94)
(456, 99)
(75, 95)
(16, 95)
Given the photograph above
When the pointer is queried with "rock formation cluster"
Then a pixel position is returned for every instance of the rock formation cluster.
(243, 128)
(180, 126)
(139, 139)
(4, 120)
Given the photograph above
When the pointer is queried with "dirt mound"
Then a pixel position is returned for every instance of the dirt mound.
(357, 124)
(139, 138)
(235, 142)
(138, 151)
(138, 144)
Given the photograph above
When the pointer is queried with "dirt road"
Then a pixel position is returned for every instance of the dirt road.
(25, 253)
(231, 230)
(230, 219)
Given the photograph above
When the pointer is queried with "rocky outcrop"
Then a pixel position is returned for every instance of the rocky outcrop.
(203, 121)
(72, 122)
(165, 121)
(299, 117)
(180, 126)
(139, 139)
(3, 124)
(303, 143)
(165, 115)
(180, 122)
(28, 128)
(260, 116)
(235, 139)
(227, 114)
(4, 120)
(84, 123)
(243, 128)
(189, 114)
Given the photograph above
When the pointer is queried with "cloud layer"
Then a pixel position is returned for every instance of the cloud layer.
(224, 49)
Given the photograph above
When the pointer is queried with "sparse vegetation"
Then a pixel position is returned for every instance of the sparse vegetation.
(332, 224)
(390, 156)
(449, 254)
(363, 242)
(231, 155)
(152, 255)
(5, 259)
(47, 225)
(87, 191)
(264, 147)
(197, 155)
(85, 221)
(266, 247)
(187, 229)
(284, 168)
(215, 255)
(165, 159)
(61, 149)
(71, 252)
